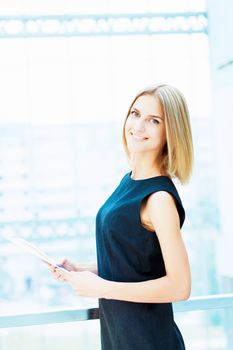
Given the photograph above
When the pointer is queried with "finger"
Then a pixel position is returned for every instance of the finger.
(55, 272)
(63, 262)
(66, 264)
(60, 273)
(53, 268)
(58, 276)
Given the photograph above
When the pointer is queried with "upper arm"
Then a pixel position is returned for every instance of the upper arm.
(162, 212)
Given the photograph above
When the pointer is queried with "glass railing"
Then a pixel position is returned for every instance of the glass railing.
(206, 324)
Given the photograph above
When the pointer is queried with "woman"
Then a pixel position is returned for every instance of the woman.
(142, 262)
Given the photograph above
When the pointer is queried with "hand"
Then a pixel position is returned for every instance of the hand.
(87, 284)
(58, 273)
(84, 283)
(68, 265)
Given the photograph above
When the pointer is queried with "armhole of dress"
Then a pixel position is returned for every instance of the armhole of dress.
(179, 206)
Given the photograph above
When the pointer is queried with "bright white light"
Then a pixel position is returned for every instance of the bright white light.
(32, 26)
(13, 26)
(50, 26)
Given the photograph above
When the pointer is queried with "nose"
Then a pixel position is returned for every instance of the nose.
(139, 125)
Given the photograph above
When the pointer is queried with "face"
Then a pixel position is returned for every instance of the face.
(145, 126)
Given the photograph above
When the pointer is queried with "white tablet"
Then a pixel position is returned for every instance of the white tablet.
(32, 249)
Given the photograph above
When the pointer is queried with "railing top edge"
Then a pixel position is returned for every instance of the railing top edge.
(219, 301)
(105, 15)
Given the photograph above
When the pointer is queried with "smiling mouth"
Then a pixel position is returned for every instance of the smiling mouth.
(138, 138)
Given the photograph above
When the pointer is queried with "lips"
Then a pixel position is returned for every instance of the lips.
(139, 138)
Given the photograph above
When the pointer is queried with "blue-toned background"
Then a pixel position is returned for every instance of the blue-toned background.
(66, 82)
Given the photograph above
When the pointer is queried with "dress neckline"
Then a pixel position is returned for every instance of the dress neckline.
(148, 178)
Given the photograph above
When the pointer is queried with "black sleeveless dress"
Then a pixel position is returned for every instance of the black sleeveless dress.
(127, 252)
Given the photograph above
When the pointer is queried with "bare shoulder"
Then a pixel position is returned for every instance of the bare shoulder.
(160, 198)
(162, 212)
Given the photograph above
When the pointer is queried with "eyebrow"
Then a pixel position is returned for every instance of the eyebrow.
(150, 115)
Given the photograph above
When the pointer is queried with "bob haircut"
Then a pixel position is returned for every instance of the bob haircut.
(177, 154)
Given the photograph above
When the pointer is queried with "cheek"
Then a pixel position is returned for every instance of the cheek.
(164, 136)
(158, 135)
(127, 126)
(163, 139)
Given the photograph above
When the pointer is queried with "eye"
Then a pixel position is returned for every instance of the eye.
(154, 121)
(134, 113)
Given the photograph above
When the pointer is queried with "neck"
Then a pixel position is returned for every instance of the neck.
(143, 167)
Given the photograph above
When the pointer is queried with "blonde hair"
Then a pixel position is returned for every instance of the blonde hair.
(177, 154)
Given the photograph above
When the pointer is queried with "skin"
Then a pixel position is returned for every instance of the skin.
(146, 136)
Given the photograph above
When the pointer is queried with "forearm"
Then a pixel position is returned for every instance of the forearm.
(161, 290)
(92, 267)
